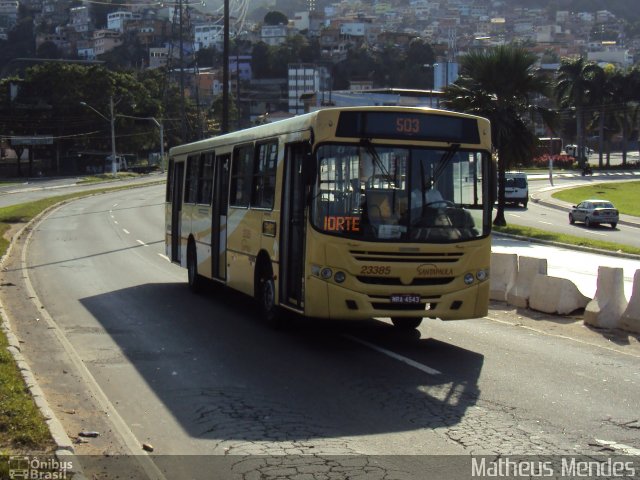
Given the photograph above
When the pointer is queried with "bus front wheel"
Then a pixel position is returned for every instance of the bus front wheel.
(266, 297)
(408, 323)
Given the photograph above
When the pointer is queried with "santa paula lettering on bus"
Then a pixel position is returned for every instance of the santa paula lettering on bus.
(339, 223)
(430, 270)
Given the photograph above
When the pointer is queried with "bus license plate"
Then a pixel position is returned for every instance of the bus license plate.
(405, 299)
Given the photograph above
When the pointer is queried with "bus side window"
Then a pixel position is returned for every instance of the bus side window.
(205, 178)
(264, 176)
(241, 176)
(191, 181)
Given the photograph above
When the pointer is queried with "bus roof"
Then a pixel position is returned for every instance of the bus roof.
(298, 123)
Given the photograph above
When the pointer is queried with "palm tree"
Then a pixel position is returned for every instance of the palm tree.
(602, 97)
(574, 89)
(499, 84)
(626, 86)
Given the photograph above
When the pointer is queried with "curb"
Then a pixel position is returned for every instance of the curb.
(64, 445)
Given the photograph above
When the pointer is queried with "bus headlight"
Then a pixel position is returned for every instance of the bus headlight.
(468, 278)
(482, 275)
(339, 277)
(326, 273)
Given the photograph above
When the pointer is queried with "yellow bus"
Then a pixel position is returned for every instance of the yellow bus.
(342, 213)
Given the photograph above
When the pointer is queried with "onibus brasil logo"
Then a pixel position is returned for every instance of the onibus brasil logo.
(36, 468)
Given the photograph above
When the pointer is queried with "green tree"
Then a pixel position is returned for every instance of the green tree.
(417, 67)
(484, 89)
(626, 88)
(602, 90)
(275, 18)
(48, 50)
(573, 90)
(50, 99)
(261, 60)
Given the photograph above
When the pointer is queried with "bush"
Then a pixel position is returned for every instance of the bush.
(559, 161)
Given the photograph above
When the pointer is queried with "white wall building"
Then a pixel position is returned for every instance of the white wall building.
(444, 74)
(209, 35)
(79, 19)
(274, 34)
(305, 78)
(617, 56)
(300, 21)
(117, 20)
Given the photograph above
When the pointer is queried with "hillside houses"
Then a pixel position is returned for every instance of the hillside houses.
(452, 27)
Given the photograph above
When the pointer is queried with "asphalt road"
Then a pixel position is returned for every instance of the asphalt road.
(133, 354)
(541, 216)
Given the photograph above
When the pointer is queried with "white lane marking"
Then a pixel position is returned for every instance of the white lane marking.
(389, 353)
(598, 233)
(142, 243)
(116, 222)
(126, 231)
(120, 427)
(164, 256)
(619, 446)
(546, 223)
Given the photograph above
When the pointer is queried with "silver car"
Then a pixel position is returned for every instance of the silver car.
(594, 212)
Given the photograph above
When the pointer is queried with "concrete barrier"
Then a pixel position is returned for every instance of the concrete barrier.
(555, 295)
(528, 268)
(630, 319)
(504, 268)
(609, 303)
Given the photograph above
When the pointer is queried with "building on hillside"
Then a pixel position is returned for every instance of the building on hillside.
(79, 19)
(8, 13)
(117, 20)
(158, 57)
(306, 78)
(209, 35)
(274, 35)
(621, 57)
(105, 40)
(375, 97)
(444, 74)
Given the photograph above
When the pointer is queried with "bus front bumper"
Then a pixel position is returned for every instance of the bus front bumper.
(342, 303)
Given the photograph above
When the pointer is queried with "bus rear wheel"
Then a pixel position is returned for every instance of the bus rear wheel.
(408, 323)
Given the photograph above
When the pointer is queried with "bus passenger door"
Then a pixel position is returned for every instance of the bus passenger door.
(219, 217)
(292, 246)
(176, 211)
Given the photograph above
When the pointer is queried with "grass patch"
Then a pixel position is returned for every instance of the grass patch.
(624, 195)
(21, 423)
(106, 177)
(566, 239)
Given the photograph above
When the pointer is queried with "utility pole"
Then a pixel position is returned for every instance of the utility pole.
(114, 169)
(225, 71)
(182, 101)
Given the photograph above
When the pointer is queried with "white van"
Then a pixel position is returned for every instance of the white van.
(516, 188)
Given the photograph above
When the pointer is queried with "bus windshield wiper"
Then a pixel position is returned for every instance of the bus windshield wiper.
(444, 161)
(371, 150)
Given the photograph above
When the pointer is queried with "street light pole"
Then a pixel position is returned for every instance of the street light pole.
(161, 127)
(112, 121)
(113, 138)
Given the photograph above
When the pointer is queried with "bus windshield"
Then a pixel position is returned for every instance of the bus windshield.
(378, 193)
